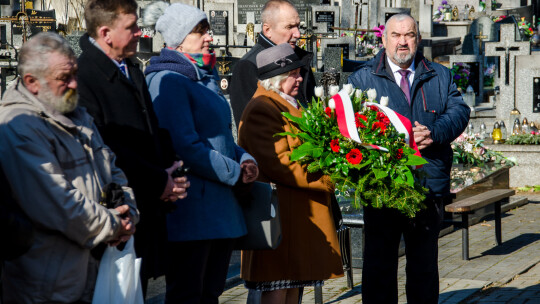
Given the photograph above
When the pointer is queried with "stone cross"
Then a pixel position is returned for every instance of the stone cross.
(508, 48)
(250, 28)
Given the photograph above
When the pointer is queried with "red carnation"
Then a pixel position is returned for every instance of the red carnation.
(357, 117)
(379, 125)
(399, 153)
(354, 156)
(328, 111)
(374, 108)
(381, 116)
(334, 144)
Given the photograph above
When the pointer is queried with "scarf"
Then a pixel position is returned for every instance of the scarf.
(203, 61)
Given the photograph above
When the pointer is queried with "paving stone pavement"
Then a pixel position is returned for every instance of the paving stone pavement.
(524, 288)
(494, 274)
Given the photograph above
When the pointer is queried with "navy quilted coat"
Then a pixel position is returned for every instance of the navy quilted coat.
(435, 103)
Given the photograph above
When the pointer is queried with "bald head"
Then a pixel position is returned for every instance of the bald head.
(401, 39)
(280, 22)
(398, 18)
(271, 10)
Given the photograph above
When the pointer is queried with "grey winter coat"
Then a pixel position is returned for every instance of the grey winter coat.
(56, 166)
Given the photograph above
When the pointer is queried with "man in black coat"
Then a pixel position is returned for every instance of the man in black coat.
(114, 92)
(280, 23)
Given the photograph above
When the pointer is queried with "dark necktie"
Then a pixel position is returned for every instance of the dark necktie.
(404, 84)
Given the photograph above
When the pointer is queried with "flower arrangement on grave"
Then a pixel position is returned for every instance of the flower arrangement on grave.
(489, 75)
(498, 18)
(470, 150)
(524, 139)
(461, 72)
(525, 28)
(438, 16)
(370, 43)
(356, 142)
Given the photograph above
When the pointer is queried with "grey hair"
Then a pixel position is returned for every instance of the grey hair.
(34, 54)
(274, 83)
(400, 17)
(271, 9)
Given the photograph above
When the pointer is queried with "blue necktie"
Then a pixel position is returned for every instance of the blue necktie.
(123, 69)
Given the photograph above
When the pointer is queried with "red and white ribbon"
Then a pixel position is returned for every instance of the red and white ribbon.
(346, 120)
(401, 123)
(347, 123)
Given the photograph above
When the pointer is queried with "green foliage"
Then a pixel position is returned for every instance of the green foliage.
(470, 150)
(523, 139)
(373, 177)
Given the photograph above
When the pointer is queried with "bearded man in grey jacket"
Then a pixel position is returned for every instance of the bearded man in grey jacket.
(57, 166)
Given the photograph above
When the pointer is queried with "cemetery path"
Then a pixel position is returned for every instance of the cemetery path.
(494, 274)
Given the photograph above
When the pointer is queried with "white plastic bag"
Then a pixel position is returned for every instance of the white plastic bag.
(118, 278)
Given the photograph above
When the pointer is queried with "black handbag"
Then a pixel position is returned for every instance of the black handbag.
(261, 213)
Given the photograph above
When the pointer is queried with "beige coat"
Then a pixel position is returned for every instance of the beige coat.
(56, 165)
(309, 249)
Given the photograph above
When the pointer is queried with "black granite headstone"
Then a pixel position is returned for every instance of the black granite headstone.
(257, 5)
(536, 95)
(325, 16)
(219, 22)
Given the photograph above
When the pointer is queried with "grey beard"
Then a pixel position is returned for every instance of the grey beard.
(403, 60)
(64, 104)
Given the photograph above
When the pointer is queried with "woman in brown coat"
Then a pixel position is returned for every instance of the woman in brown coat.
(309, 252)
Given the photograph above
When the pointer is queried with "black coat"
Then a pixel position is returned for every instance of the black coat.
(122, 110)
(244, 79)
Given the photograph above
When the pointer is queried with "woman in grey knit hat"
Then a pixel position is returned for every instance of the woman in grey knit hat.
(309, 251)
(189, 103)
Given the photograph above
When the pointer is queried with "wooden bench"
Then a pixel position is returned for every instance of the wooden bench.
(469, 205)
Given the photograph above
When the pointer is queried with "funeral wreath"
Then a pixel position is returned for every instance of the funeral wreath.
(364, 148)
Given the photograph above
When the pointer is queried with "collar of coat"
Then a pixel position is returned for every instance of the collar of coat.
(422, 66)
(282, 104)
(18, 95)
(101, 60)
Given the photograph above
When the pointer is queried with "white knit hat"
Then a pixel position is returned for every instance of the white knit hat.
(174, 21)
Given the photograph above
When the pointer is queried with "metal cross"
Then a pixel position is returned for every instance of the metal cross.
(480, 38)
(507, 51)
(25, 18)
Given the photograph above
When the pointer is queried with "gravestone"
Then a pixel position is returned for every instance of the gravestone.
(507, 48)
(324, 18)
(248, 31)
(482, 29)
(221, 19)
(425, 23)
(332, 63)
(349, 12)
(363, 14)
(384, 13)
(476, 68)
(26, 22)
(528, 86)
(255, 6)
